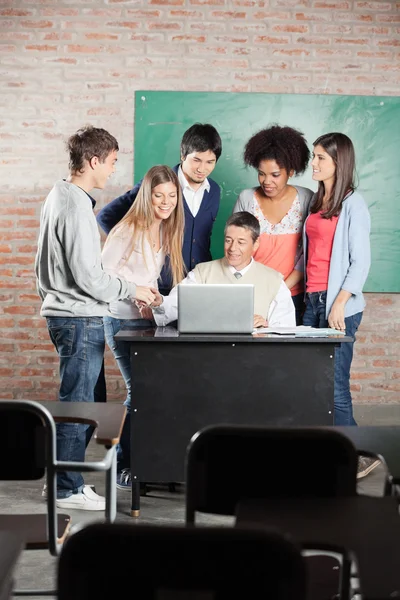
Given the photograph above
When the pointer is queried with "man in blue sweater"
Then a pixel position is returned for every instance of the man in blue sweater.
(200, 150)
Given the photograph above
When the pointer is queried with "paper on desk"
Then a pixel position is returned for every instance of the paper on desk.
(300, 331)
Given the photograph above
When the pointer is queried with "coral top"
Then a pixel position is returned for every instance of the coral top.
(280, 244)
(320, 233)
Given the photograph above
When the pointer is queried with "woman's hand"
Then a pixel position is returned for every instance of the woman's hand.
(336, 316)
(145, 294)
(259, 321)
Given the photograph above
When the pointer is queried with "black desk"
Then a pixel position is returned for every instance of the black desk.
(369, 527)
(11, 546)
(182, 383)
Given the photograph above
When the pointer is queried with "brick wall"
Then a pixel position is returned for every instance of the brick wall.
(66, 63)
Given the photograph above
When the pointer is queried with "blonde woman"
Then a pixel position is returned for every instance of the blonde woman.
(150, 233)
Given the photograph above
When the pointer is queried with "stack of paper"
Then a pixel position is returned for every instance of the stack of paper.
(301, 331)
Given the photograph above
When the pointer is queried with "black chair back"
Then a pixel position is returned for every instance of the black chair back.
(23, 434)
(226, 464)
(168, 563)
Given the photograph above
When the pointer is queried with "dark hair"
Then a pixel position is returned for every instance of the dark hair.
(200, 138)
(247, 221)
(88, 142)
(340, 148)
(285, 145)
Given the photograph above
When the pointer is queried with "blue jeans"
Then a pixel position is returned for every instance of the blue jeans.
(79, 342)
(315, 316)
(121, 351)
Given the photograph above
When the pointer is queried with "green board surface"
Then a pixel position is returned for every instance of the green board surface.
(372, 122)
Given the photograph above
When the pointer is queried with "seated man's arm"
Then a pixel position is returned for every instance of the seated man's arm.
(114, 211)
(167, 312)
(281, 312)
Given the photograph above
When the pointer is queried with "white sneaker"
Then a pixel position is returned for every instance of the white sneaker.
(44, 490)
(86, 500)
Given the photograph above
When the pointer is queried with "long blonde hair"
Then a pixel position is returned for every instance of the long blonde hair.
(140, 217)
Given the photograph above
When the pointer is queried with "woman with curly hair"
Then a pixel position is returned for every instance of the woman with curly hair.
(278, 153)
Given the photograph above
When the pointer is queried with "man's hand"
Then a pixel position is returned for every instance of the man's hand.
(158, 298)
(336, 316)
(146, 313)
(259, 321)
(145, 295)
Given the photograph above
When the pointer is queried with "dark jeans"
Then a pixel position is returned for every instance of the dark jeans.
(79, 342)
(315, 316)
(121, 351)
(299, 307)
(100, 395)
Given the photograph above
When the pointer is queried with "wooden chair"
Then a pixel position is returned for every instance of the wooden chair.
(168, 563)
(228, 464)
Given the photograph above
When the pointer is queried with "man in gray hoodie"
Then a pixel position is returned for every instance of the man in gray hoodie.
(76, 291)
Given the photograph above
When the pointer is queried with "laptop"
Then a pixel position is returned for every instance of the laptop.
(215, 308)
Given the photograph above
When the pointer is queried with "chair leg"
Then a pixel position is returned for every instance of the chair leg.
(111, 490)
(135, 506)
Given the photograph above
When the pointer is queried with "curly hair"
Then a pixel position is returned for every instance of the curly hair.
(285, 145)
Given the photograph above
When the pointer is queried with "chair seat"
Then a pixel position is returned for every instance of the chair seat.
(33, 528)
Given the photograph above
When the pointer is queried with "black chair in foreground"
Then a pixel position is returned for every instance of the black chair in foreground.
(177, 563)
(28, 435)
(229, 464)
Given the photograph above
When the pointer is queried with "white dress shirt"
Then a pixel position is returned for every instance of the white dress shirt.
(281, 311)
(193, 197)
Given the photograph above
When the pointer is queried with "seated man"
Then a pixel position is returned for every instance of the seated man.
(273, 304)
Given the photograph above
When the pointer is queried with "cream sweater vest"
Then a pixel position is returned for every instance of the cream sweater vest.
(266, 281)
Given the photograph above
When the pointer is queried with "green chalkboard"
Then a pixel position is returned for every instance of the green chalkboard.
(372, 122)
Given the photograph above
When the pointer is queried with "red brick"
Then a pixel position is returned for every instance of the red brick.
(15, 235)
(169, 2)
(33, 347)
(26, 285)
(5, 248)
(19, 310)
(124, 24)
(323, 16)
(393, 364)
(6, 298)
(332, 5)
(60, 12)
(186, 13)
(42, 47)
(290, 28)
(266, 39)
(15, 12)
(6, 322)
(15, 383)
(366, 375)
(225, 14)
(188, 38)
(28, 298)
(83, 49)
(39, 323)
(166, 26)
(49, 360)
(26, 249)
(17, 260)
(101, 36)
(29, 372)
(37, 24)
(373, 5)
(5, 373)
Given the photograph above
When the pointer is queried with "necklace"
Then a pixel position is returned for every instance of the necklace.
(154, 242)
